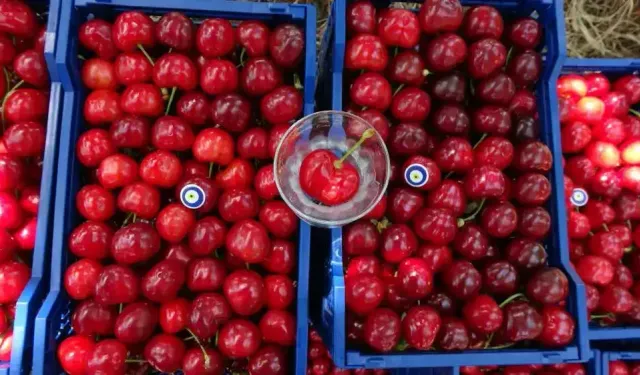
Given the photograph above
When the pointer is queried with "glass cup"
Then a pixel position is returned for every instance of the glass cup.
(335, 131)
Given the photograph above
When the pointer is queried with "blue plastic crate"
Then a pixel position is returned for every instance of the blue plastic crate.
(612, 68)
(33, 295)
(328, 308)
(53, 320)
(602, 359)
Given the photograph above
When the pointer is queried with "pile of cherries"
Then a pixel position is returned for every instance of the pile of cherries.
(186, 256)
(320, 362)
(452, 258)
(24, 89)
(623, 368)
(559, 369)
(601, 146)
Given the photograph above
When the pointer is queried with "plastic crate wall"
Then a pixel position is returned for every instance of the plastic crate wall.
(612, 68)
(33, 295)
(604, 357)
(327, 304)
(53, 320)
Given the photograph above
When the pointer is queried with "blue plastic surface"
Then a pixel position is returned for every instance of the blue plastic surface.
(612, 68)
(602, 359)
(53, 320)
(33, 295)
(328, 310)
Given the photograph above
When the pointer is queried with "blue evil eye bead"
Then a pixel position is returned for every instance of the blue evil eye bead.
(579, 197)
(192, 196)
(416, 175)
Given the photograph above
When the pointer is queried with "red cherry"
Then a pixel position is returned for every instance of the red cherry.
(410, 104)
(207, 235)
(525, 68)
(253, 36)
(445, 52)
(278, 327)
(195, 363)
(80, 278)
(208, 310)
(93, 146)
(98, 74)
(281, 258)
(130, 131)
(175, 70)
(494, 151)
(483, 314)
(440, 15)
(142, 99)
(165, 352)
(399, 28)
(233, 112)
(25, 105)
(415, 278)
(595, 270)
(91, 239)
(139, 198)
(218, 77)
(239, 338)
(279, 219)
(629, 85)
(365, 52)
(161, 168)
(93, 202)
(249, 241)
(132, 67)
(193, 106)
(575, 137)
(136, 323)
(486, 57)
(603, 154)
(407, 139)
(131, 29)
(525, 33)
(14, 276)
(175, 30)
(74, 353)
(137, 242)
(286, 45)
(213, 145)
(215, 38)
(382, 329)
(91, 318)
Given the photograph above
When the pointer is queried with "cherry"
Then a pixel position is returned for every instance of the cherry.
(500, 278)
(360, 238)
(618, 368)
(207, 235)
(8, 246)
(498, 89)
(164, 352)
(269, 359)
(409, 104)
(361, 18)
(440, 15)
(7, 50)
(615, 104)
(449, 195)
(326, 178)
(373, 90)
(599, 213)
(237, 204)
(233, 111)
(194, 362)
(615, 299)
(137, 242)
(136, 323)
(131, 29)
(454, 154)
(278, 327)
(98, 74)
(415, 278)
(407, 139)
(173, 314)
(93, 146)
(30, 67)
(366, 52)
(461, 279)
(163, 281)
(92, 201)
(453, 334)
(25, 105)
(253, 36)
(131, 68)
(595, 269)
(281, 258)
(451, 119)
(175, 70)
(630, 152)
(80, 278)
(139, 198)
(244, 289)
(382, 329)
(193, 107)
(523, 103)
(491, 119)
(175, 30)
(142, 99)
(590, 110)
(435, 225)
(532, 189)
(238, 338)
(260, 76)
(534, 222)
(363, 293)
(74, 353)
(116, 284)
(25, 139)
(129, 131)
(521, 322)
(14, 276)
(525, 33)
(471, 242)
(279, 219)
(483, 22)
(264, 183)
(237, 175)
(205, 275)
(629, 85)
(91, 239)
(606, 244)
(526, 254)
(580, 169)
(215, 38)
(116, 171)
(484, 182)
(403, 204)
(449, 87)
(575, 137)
(406, 67)
(399, 28)
(248, 240)
(548, 286)
(286, 44)
(631, 178)
(499, 219)
(525, 68)
(108, 356)
(486, 57)
(445, 52)
(622, 277)
(218, 77)
(179, 252)
(603, 154)
(494, 151)
(558, 327)
(482, 314)
(208, 310)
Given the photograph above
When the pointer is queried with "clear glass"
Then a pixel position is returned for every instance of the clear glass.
(336, 131)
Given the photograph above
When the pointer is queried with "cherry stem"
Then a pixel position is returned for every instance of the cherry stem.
(365, 135)
(382, 224)
(480, 140)
(602, 316)
(633, 111)
(210, 169)
(144, 51)
(511, 299)
(297, 83)
(395, 52)
(604, 225)
(448, 175)
(126, 219)
(80, 57)
(14, 88)
(628, 249)
(425, 72)
(135, 361)
(508, 56)
(398, 89)
(501, 346)
(473, 215)
(133, 220)
(488, 342)
(629, 223)
(120, 308)
(471, 88)
(173, 93)
(241, 58)
(207, 360)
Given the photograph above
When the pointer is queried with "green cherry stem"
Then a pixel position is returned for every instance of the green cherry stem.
(207, 360)
(173, 93)
(480, 140)
(398, 89)
(511, 299)
(126, 219)
(366, 135)
(633, 111)
(475, 213)
(210, 169)
(144, 52)
(297, 83)
(132, 360)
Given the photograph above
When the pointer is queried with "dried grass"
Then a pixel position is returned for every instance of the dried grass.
(602, 28)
